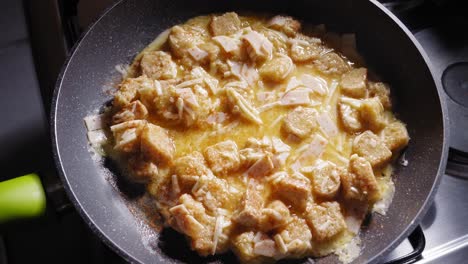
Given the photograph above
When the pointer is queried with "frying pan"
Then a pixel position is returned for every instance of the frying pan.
(128, 26)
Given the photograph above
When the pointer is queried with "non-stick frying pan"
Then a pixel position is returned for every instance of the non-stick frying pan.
(128, 26)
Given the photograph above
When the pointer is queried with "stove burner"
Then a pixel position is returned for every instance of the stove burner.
(455, 82)
(458, 164)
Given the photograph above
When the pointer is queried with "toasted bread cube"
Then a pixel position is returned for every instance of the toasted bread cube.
(382, 91)
(128, 90)
(190, 218)
(300, 122)
(253, 247)
(395, 136)
(158, 65)
(190, 168)
(294, 238)
(182, 38)
(249, 213)
(304, 49)
(146, 95)
(243, 245)
(275, 215)
(371, 147)
(350, 118)
(223, 157)
(360, 183)
(293, 190)
(353, 83)
(156, 144)
(285, 24)
(371, 112)
(142, 170)
(331, 63)
(127, 135)
(325, 179)
(133, 111)
(255, 150)
(226, 24)
(277, 69)
(216, 193)
(325, 220)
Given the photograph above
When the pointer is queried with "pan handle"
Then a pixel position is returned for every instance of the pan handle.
(418, 242)
(21, 197)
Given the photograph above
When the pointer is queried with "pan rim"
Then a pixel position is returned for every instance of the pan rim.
(131, 258)
(56, 151)
(445, 137)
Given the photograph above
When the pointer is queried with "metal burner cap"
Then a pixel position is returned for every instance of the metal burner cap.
(455, 82)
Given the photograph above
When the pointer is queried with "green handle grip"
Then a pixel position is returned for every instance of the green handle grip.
(21, 197)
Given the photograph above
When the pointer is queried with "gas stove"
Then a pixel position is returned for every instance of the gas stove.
(442, 236)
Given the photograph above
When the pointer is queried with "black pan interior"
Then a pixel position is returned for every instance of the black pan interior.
(130, 25)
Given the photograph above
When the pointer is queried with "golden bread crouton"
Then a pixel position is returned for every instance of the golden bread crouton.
(331, 63)
(128, 90)
(371, 112)
(189, 217)
(146, 94)
(190, 168)
(325, 177)
(127, 135)
(223, 157)
(277, 69)
(133, 111)
(254, 151)
(360, 183)
(285, 24)
(371, 147)
(274, 215)
(325, 220)
(382, 91)
(249, 213)
(293, 190)
(253, 247)
(158, 65)
(156, 144)
(294, 238)
(226, 24)
(216, 193)
(395, 136)
(182, 38)
(243, 245)
(300, 122)
(304, 48)
(349, 118)
(353, 83)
